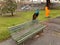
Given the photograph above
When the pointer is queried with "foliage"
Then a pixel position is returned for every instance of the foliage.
(9, 6)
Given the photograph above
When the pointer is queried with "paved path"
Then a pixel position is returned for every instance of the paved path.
(51, 35)
(8, 42)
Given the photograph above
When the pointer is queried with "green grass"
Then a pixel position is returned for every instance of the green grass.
(19, 18)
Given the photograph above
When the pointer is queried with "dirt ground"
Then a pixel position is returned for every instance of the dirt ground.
(50, 36)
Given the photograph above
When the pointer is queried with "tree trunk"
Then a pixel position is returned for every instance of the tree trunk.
(12, 13)
(48, 3)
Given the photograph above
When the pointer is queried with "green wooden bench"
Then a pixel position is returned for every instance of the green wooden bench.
(24, 31)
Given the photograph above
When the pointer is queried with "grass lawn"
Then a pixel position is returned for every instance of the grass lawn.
(21, 17)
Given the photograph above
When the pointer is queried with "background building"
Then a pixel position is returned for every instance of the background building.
(53, 1)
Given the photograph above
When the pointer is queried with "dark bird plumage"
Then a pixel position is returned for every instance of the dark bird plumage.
(35, 15)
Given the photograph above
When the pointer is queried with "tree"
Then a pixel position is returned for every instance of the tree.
(48, 3)
(9, 7)
(0, 9)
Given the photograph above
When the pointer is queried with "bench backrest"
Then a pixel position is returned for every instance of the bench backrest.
(22, 26)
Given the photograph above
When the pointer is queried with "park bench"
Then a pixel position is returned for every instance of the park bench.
(20, 33)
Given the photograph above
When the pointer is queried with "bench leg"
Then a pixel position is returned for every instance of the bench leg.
(39, 34)
(42, 30)
(22, 43)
